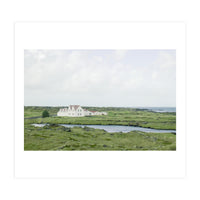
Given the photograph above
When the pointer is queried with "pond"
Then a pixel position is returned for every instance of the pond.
(115, 128)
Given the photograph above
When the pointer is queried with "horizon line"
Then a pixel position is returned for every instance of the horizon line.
(102, 106)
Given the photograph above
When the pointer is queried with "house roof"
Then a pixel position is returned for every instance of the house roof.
(74, 106)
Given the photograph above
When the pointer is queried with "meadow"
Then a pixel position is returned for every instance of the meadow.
(116, 116)
(55, 137)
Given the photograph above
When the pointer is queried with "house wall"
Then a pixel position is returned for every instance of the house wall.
(79, 112)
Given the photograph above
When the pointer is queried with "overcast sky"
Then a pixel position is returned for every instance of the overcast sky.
(130, 78)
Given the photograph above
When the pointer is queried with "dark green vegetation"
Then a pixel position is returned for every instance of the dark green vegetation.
(55, 137)
(45, 113)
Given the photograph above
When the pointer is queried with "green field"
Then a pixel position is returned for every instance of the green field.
(116, 116)
(54, 137)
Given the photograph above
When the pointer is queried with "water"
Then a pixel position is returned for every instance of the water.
(160, 109)
(115, 128)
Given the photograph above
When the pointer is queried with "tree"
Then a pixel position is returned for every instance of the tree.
(45, 113)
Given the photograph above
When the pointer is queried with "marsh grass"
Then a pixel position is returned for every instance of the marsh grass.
(57, 138)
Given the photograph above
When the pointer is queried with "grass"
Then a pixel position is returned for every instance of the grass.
(36, 111)
(116, 116)
(57, 138)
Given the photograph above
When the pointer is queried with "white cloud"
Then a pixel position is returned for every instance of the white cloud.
(54, 77)
(120, 54)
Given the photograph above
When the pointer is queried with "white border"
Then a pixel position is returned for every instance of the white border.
(101, 164)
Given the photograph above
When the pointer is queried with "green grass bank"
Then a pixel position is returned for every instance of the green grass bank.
(58, 138)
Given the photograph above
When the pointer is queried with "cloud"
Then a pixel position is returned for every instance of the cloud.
(98, 77)
(120, 54)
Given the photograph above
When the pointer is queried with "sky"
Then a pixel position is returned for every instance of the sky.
(119, 78)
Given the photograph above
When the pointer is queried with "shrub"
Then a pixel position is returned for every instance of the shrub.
(45, 113)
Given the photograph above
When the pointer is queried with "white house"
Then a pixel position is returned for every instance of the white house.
(77, 111)
(87, 112)
(104, 113)
(72, 111)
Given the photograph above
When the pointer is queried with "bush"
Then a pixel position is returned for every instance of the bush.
(45, 113)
